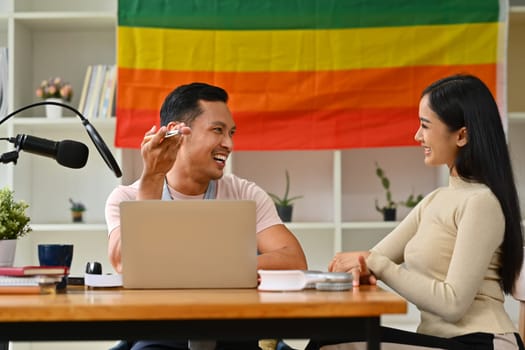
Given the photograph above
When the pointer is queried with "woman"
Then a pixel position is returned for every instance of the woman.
(461, 246)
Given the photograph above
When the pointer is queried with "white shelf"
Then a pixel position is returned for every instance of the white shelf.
(80, 227)
(62, 123)
(369, 225)
(517, 10)
(66, 20)
(517, 117)
(303, 226)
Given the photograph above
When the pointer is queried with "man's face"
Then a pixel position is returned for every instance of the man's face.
(208, 146)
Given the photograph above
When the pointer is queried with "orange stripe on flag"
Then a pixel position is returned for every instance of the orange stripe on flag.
(299, 91)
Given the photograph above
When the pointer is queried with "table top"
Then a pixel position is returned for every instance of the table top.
(80, 304)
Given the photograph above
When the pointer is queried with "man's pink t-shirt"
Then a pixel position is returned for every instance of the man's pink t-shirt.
(228, 187)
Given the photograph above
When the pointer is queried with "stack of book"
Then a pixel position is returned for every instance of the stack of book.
(295, 280)
(97, 99)
(30, 279)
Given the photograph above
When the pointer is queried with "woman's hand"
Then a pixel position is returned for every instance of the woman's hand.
(354, 263)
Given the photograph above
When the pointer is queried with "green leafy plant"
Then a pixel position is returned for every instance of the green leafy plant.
(77, 206)
(14, 222)
(385, 182)
(285, 200)
(411, 201)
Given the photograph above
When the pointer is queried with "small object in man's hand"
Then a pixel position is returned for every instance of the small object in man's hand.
(168, 134)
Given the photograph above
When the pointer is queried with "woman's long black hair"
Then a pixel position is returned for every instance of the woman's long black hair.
(465, 101)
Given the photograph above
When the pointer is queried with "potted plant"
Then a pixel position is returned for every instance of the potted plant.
(54, 90)
(77, 210)
(14, 223)
(284, 204)
(389, 210)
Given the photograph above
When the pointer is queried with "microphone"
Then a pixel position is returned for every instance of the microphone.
(71, 154)
(67, 153)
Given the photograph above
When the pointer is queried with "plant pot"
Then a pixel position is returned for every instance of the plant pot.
(389, 214)
(77, 216)
(7, 252)
(54, 111)
(285, 212)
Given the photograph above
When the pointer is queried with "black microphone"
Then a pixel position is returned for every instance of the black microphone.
(71, 154)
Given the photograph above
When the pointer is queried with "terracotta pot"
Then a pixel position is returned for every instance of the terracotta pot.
(77, 216)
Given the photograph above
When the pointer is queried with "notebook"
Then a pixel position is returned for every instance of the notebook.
(188, 244)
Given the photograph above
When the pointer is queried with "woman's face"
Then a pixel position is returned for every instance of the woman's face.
(440, 145)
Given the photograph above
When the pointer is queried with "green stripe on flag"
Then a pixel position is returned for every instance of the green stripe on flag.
(313, 14)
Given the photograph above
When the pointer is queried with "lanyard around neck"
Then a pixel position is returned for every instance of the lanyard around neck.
(211, 191)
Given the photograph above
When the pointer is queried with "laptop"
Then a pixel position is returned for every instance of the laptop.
(188, 244)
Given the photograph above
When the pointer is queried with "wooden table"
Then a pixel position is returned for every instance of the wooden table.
(227, 314)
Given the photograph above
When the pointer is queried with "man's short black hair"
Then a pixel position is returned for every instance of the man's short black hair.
(182, 104)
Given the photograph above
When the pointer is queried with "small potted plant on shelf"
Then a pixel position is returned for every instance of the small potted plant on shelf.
(54, 90)
(284, 204)
(77, 210)
(14, 223)
(389, 210)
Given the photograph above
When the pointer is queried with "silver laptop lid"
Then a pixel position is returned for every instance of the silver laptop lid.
(188, 244)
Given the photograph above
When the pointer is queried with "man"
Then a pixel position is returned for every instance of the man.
(190, 165)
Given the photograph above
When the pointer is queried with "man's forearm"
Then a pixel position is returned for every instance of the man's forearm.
(150, 187)
(283, 259)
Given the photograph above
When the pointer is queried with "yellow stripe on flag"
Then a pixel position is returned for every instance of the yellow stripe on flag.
(306, 50)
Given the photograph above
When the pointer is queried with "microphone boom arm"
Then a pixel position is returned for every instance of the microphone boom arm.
(95, 137)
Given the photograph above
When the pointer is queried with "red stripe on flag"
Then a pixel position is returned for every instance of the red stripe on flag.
(132, 125)
(299, 130)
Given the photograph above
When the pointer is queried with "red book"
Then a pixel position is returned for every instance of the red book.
(33, 270)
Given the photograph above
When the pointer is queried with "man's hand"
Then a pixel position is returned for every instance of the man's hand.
(158, 152)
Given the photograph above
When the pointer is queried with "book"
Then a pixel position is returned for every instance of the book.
(85, 87)
(93, 92)
(107, 93)
(89, 90)
(3, 82)
(20, 289)
(28, 284)
(20, 271)
(93, 111)
(295, 280)
(107, 280)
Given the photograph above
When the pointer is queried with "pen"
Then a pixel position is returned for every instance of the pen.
(168, 134)
(171, 133)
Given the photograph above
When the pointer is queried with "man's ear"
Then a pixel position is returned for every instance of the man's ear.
(171, 125)
(462, 137)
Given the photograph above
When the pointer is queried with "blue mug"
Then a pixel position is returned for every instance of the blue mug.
(56, 255)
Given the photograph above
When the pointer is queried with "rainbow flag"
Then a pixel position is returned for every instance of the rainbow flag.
(304, 74)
